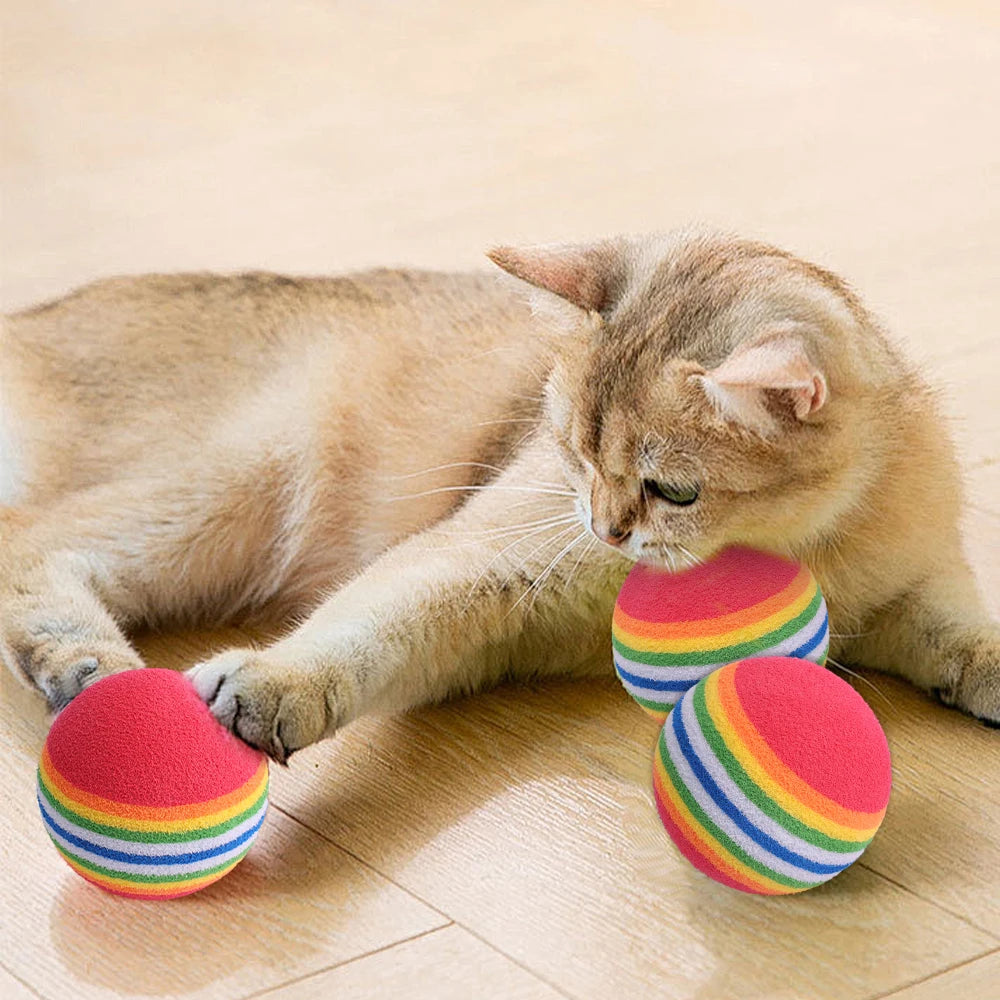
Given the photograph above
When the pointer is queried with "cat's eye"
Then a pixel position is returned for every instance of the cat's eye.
(680, 496)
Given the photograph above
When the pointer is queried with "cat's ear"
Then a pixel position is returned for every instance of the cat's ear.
(586, 275)
(776, 363)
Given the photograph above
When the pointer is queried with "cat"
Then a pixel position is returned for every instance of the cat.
(441, 480)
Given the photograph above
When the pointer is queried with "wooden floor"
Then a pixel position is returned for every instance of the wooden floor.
(506, 846)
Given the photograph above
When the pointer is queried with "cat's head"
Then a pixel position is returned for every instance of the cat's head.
(705, 390)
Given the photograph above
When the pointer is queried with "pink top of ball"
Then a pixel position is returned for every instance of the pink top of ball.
(735, 579)
(146, 738)
(819, 727)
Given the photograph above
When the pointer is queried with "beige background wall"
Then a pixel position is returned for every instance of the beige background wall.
(315, 136)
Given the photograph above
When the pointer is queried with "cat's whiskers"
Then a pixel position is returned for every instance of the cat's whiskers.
(522, 537)
(441, 468)
(665, 552)
(693, 560)
(535, 588)
(474, 465)
(507, 420)
(531, 555)
(473, 488)
(517, 444)
(674, 554)
(529, 502)
(550, 570)
(486, 534)
(864, 680)
(587, 549)
(502, 529)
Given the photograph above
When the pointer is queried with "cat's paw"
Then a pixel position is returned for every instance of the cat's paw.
(274, 706)
(61, 664)
(972, 682)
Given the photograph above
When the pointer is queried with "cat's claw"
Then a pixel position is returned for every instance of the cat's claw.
(274, 707)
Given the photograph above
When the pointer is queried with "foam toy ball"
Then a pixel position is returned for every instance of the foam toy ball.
(772, 775)
(671, 629)
(143, 792)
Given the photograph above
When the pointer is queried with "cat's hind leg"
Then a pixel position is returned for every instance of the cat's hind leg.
(194, 544)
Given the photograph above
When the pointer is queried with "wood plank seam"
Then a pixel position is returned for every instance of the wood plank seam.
(516, 961)
(346, 961)
(897, 990)
(31, 989)
(437, 909)
(360, 861)
(931, 902)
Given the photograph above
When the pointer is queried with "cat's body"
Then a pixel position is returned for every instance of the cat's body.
(278, 418)
(412, 455)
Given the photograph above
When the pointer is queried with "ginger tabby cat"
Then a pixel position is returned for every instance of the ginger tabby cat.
(444, 487)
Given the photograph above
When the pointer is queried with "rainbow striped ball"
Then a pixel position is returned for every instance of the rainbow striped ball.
(143, 792)
(671, 629)
(771, 775)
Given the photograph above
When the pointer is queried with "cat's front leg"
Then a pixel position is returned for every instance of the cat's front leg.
(417, 628)
(938, 636)
(60, 629)
(974, 681)
(504, 588)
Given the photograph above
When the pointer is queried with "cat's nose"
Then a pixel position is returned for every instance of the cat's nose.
(612, 534)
